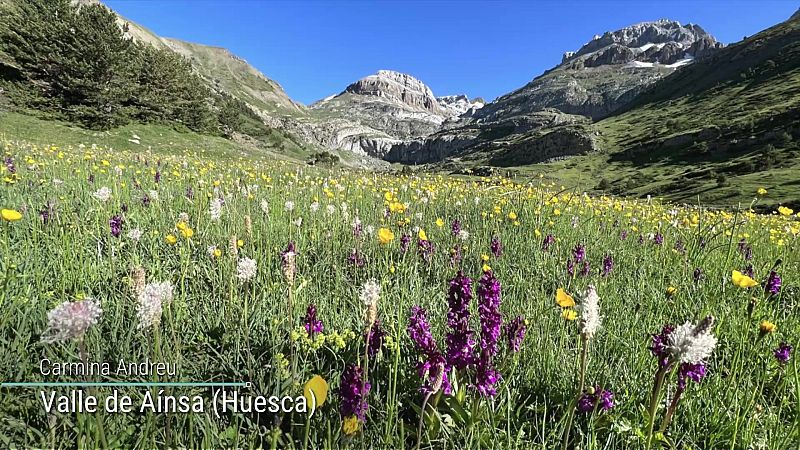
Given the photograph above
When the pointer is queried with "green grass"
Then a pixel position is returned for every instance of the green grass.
(159, 139)
(219, 328)
(235, 76)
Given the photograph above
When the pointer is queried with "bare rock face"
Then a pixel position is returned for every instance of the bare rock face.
(384, 109)
(469, 137)
(399, 88)
(608, 71)
(645, 35)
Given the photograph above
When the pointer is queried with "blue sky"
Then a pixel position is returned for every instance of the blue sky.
(479, 48)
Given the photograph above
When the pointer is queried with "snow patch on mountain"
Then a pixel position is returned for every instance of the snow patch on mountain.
(457, 105)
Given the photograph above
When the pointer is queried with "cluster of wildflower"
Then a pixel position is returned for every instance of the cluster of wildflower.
(514, 332)
(455, 227)
(353, 392)
(773, 283)
(688, 346)
(496, 247)
(115, 223)
(608, 265)
(311, 323)
(589, 308)
(596, 398)
(334, 340)
(463, 352)
(151, 300)
(419, 330)
(288, 262)
(460, 341)
(405, 241)
(281, 365)
(246, 269)
(783, 353)
(71, 320)
(376, 337)
(491, 321)
(426, 249)
(355, 258)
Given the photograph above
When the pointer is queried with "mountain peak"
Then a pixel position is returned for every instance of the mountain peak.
(664, 42)
(397, 87)
(457, 105)
(646, 41)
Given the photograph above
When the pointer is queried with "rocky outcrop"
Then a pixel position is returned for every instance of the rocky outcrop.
(540, 147)
(474, 137)
(432, 149)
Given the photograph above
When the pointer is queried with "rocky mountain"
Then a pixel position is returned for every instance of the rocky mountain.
(386, 108)
(603, 75)
(608, 71)
(716, 130)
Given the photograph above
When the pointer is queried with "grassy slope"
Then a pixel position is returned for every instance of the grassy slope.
(748, 89)
(234, 75)
(158, 138)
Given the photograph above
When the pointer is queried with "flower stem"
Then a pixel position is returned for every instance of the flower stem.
(421, 418)
(658, 383)
(673, 406)
(99, 420)
(584, 360)
(568, 425)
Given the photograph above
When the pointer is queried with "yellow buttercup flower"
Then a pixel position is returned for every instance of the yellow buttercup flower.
(569, 314)
(742, 280)
(171, 239)
(10, 215)
(563, 299)
(762, 191)
(766, 327)
(672, 290)
(315, 391)
(512, 215)
(484, 258)
(385, 236)
(784, 211)
(187, 232)
(397, 207)
(217, 253)
(350, 425)
(487, 268)
(439, 222)
(422, 235)
(240, 243)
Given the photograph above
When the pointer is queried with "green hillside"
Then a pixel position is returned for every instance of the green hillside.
(101, 79)
(158, 138)
(716, 130)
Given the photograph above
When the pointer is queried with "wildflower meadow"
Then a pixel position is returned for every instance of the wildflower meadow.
(414, 311)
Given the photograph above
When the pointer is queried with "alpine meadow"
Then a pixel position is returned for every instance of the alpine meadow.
(614, 270)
